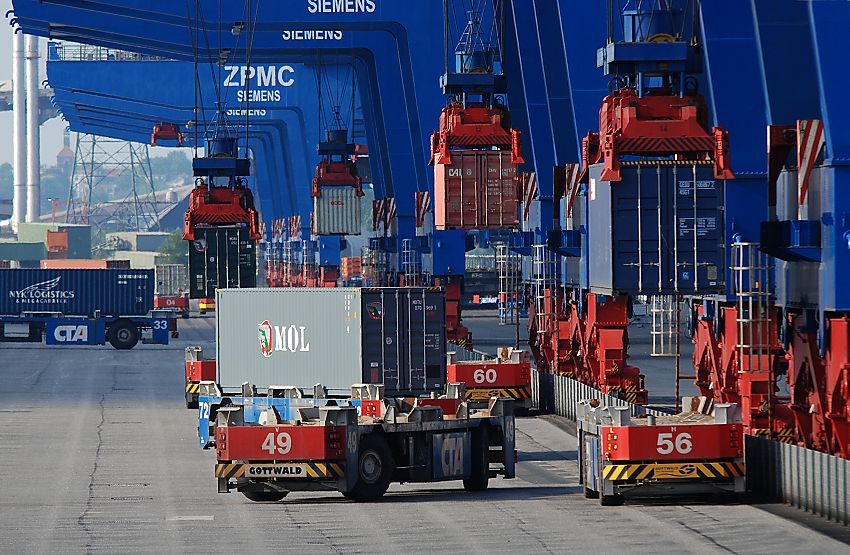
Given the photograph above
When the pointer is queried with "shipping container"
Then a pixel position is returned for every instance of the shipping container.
(141, 240)
(79, 236)
(172, 279)
(337, 211)
(83, 264)
(221, 257)
(351, 267)
(76, 292)
(139, 259)
(19, 250)
(57, 244)
(478, 190)
(658, 230)
(336, 337)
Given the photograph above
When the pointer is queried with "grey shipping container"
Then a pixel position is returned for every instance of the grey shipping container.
(76, 292)
(171, 279)
(337, 211)
(658, 230)
(221, 257)
(336, 337)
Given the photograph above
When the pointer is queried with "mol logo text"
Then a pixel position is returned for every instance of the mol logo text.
(44, 292)
(71, 334)
(291, 339)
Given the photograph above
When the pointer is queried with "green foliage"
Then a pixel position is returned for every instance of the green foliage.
(174, 249)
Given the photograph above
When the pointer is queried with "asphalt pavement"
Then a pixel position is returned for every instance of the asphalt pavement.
(101, 456)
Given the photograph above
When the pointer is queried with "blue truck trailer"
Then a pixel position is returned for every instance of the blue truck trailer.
(82, 307)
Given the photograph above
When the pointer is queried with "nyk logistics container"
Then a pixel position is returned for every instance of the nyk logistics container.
(83, 264)
(221, 257)
(76, 292)
(336, 337)
(478, 190)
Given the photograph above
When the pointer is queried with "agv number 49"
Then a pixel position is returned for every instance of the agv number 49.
(277, 443)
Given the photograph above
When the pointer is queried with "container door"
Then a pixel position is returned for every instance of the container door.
(247, 260)
(198, 267)
(382, 339)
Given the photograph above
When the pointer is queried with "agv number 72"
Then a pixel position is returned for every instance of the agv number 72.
(682, 443)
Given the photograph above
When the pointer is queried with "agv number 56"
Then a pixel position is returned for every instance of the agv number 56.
(484, 375)
(682, 443)
(280, 443)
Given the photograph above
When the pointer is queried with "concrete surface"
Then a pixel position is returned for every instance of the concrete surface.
(101, 456)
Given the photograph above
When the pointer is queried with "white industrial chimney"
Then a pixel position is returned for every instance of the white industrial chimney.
(19, 153)
(33, 132)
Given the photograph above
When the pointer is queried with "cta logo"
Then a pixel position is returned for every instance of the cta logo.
(43, 292)
(292, 339)
(452, 456)
(71, 334)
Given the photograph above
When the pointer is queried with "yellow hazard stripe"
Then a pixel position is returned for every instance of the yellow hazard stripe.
(193, 387)
(229, 470)
(652, 163)
(314, 470)
(709, 470)
(523, 392)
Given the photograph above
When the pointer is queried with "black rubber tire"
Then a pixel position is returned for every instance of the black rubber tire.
(590, 494)
(123, 335)
(375, 467)
(265, 496)
(612, 500)
(191, 401)
(479, 477)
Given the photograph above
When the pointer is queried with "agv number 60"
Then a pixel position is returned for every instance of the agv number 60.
(484, 375)
(280, 443)
(682, 443)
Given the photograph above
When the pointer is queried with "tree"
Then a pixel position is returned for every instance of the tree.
(174, 249)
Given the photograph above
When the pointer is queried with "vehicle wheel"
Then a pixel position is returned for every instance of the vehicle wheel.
(123, 335)
(191, 401)
(480, 476)
(265, 496)
(611, 500)
(590, 494)
(375, 468)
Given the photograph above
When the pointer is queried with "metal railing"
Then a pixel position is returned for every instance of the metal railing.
(806, 479)
(751, 275)
(560, 395)
(664, 310)
(544, 281)
(74, 52)
(509, 269)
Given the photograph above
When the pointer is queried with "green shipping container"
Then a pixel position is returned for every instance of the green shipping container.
(79, 236)
(19, 250)
(221, 257)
